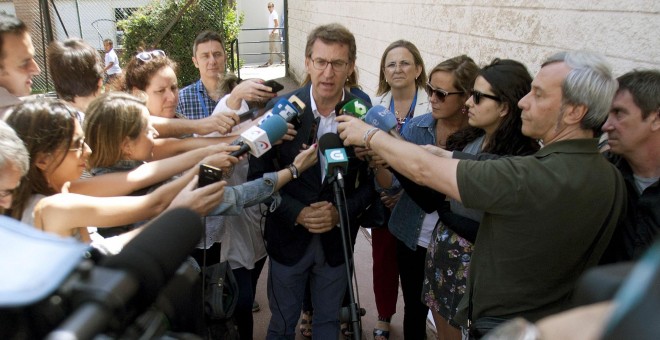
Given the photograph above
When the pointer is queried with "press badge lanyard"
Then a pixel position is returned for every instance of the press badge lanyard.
(202, 102)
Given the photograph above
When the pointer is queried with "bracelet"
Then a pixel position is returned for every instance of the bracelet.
(369, 137)
(294, 171)
(367, 133)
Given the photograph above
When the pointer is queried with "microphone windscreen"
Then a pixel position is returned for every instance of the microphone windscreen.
(356, 107)
(275, 127)
(285, 109)
(155, 254)
(330, 140)
(340, 106)
(380, 117)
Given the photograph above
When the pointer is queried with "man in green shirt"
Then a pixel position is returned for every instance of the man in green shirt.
(547, 217)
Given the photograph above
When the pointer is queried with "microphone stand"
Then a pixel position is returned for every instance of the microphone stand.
(354, 310)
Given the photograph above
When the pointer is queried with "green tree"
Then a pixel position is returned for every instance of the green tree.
(145, 26)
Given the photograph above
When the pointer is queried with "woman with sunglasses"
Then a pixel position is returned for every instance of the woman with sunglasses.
(495, 128)
(58, 154)
(447, 91)
(401, 89)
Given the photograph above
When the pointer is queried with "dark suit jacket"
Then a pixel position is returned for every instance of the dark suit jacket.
(287, 241)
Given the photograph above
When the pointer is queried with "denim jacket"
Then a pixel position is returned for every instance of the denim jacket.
(407, 217)
(248, 194)
(235, 197)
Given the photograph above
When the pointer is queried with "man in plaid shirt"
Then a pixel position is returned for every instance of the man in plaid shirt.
(198, 99)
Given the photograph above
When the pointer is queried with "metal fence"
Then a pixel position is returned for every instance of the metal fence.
(91, 20)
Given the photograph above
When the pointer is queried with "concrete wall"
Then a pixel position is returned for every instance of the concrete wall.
(626, 32)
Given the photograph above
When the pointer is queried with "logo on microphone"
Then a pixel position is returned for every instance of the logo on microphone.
(337, 155)
(360, 108)
(262, 145)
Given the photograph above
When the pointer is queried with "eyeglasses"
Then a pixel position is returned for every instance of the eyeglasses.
(404, 64)
(6, 193)
(439, 93)
(476, 96)
(337, 65)
(150, 55)
(80, 146)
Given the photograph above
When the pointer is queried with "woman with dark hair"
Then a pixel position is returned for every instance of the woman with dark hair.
(77, 71)
(495, 128)
(447, 89)
(58, 154)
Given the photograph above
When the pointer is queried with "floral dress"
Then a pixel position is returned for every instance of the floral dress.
(448, 260)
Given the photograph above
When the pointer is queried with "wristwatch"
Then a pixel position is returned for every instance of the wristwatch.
(294, 170)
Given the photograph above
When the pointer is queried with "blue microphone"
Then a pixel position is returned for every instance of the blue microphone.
(286, 110)
(382, 118)
(259, 139)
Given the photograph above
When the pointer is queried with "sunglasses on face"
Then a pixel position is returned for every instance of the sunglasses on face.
(150, 55)
(439, 93)
(78, 146)
(476, 96)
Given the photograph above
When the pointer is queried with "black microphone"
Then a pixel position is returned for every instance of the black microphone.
(248, 115)
(332, 148)
(134, 277)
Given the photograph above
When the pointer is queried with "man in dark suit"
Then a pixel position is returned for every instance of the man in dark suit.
(302, 234)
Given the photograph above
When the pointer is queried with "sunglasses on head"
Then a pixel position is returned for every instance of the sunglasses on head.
(476, 96)
(150, 55)
(439, 93)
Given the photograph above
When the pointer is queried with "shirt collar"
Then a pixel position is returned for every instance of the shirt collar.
(588, 145)
(315, 111)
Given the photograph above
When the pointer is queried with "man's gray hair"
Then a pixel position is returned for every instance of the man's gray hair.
(12, 150)
(590, 82)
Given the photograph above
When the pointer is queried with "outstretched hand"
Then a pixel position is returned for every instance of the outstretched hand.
(306, 158)
(200, 200)
(250, 90)
(352, 130)
(438, 151)
(217, 122)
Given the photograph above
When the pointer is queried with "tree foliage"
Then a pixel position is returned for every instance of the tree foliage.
(145, 26)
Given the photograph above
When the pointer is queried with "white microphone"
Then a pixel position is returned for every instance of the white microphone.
(259, 139)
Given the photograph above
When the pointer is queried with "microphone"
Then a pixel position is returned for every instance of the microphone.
(135, 275)
(333, 149)
(248, 115)
(259, 139)
(382, 118)
(288, 109)
(355, 107)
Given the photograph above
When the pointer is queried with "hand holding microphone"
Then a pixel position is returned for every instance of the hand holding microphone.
(382, 118)
(355, 132)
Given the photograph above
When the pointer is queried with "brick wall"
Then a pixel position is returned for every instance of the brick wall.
(626, 32)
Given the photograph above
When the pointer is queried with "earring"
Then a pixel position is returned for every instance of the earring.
(464, 110)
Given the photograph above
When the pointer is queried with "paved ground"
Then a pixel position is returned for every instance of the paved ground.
(362, 252)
